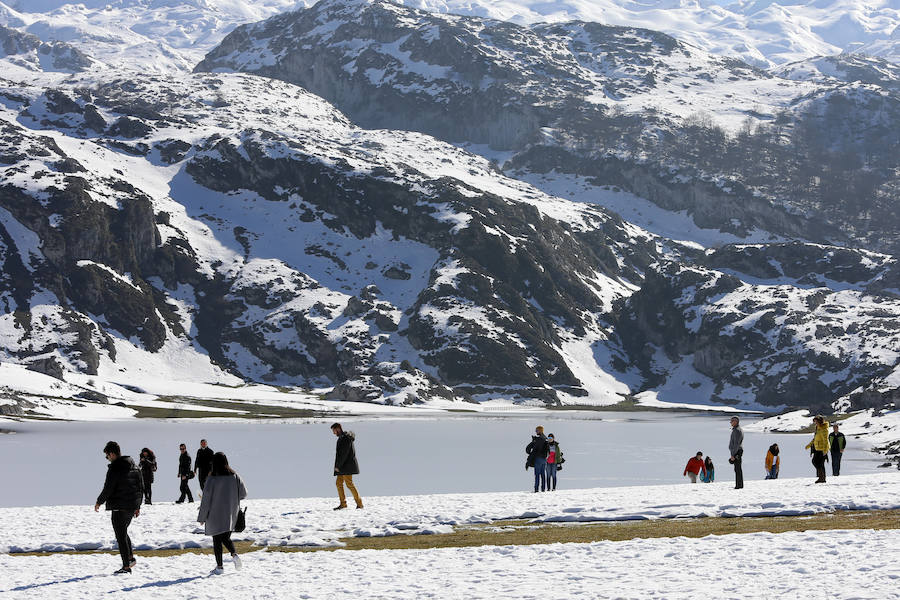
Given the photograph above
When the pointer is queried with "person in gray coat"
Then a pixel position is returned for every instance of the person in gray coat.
(736, 448)
(219, 508)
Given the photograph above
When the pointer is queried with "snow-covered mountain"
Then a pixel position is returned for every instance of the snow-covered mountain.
(740, 150)
(144, 35)
(760, 32)
(228, 227)
(157, 35)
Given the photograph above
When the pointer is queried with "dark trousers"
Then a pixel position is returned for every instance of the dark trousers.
(818, 461)
(121, 519)
(148, 492)
(551, 475)
(836, 463)
(738, 473)
(540, 474)
(219, 540)
(202, 475)
(185, 491)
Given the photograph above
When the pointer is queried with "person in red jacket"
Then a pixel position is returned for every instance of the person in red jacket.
(694, 467)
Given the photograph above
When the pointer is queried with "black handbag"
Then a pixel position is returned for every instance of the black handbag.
(240, 523)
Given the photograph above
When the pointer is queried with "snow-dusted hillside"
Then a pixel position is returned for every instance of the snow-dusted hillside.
(158, 36)
(208, 227)
(167, 34)
(761, 33)
(224, 227)
(736, 148)
(206, 222)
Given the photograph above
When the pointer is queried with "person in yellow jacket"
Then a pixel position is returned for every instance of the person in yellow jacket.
(819, 447)
(773, 462)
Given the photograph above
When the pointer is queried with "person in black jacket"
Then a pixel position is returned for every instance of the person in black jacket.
(148, 468)
(184, 474)
(838, 442)
(345, 465)
(537, 451)
(122, 493)
(203, 463)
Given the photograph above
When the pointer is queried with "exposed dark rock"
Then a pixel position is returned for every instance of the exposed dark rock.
(130, 128)
(48, 366)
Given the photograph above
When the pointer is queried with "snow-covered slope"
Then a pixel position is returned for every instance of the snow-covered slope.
(224, 227)
(168, 34)
(227, 227)
(762, 33)
(147, 36)
(186, 225)
(735, 147)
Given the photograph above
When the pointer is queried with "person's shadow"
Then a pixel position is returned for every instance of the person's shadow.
(33, 586)
(151, 584)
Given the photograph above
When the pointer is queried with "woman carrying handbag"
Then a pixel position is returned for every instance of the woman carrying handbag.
(220, 509)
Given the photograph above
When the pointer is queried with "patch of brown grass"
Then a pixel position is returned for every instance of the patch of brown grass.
(518, 533)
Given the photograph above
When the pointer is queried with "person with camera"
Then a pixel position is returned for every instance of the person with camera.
(736, 448)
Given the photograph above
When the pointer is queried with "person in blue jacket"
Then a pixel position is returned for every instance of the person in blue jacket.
(710, 474)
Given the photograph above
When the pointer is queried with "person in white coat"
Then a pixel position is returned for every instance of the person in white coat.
(219, 508)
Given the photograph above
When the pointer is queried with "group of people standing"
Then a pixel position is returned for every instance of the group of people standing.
(127, 485)
(820, 446)
(203, 465)
(546, 458)
(823, 444)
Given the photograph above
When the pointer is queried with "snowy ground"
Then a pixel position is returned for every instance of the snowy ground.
(311, 522)
(761, 565)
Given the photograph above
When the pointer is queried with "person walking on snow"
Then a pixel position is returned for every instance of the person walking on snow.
(736, 448)
(537, 451)
(773, 462)
(203, 463)
(838, 442)
(819, 447)
(694, 467)
(554, 460)
(148, 468)
(184, 474)
(710, 474)
(345, 465)
(122, 492)
(219, 509)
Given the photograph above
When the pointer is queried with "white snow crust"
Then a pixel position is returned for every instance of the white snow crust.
(760, 565)
(311, 522)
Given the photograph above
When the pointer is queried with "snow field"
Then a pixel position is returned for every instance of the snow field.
(748, 566)
(311, 522)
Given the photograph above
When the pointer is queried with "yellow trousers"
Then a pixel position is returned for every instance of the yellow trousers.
(348, 479)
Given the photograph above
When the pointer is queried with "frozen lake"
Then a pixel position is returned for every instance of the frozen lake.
(47, 463)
